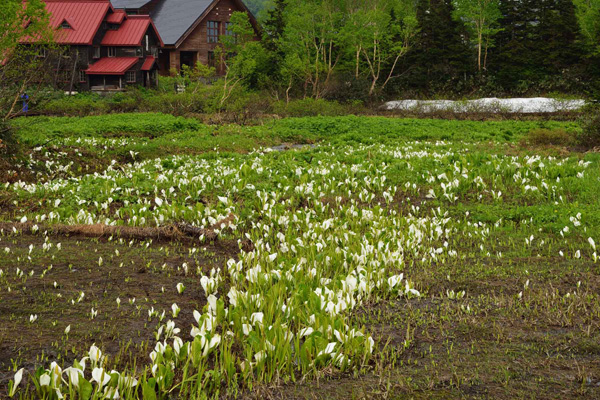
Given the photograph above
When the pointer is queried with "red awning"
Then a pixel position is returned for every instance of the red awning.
(112, 66)
(148, 63)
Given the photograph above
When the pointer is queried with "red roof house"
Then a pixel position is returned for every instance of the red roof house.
(110, 48)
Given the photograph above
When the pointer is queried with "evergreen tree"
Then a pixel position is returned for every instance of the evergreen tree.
(441, 56)
(274, 26)
(537, 42)
(558, 33)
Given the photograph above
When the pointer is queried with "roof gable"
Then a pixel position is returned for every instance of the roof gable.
(117, 17)
(176, 19)
(206, 11)
(173, 18)
(130, 33)
(84, 17)
(66, 24)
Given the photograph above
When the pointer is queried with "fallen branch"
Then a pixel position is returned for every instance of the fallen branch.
(179, 232)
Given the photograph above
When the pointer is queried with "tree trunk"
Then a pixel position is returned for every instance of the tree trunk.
(74, 70)
(357, 61)
(57, 74)
(479, 44)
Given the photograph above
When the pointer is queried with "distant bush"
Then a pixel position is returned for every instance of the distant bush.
(39, 129)
(550, 137)
(79, 105)
(589, 137)
(319, 107)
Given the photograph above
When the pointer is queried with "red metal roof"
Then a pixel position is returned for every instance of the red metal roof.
(148, 63)
(112, 66)
(130, 33)
(116, 18)
(84, 16)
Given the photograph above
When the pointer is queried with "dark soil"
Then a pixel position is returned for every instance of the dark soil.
(139, 272)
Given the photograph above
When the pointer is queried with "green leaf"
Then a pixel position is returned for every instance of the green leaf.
(85, 388)
(148, 392)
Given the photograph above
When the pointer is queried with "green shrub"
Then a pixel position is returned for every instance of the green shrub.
(312, 108)
(78, 105)
(547, 137)
(589, 137)
(239, 107)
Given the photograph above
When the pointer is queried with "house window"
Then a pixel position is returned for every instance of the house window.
(96, 52)
(41, 52)
(147, 43)
(212, 31)
(65, 25)
(82, 77)
(228, 31)
(112, 51)
(211, 59)
(113, 27)
(131, 77)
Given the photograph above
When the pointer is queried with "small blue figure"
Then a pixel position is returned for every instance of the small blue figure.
(25, 99)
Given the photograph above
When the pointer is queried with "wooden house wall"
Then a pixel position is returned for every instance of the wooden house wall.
(197, 40)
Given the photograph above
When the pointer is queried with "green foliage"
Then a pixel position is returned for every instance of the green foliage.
(545, 137)
(112, 124)
(441, 58)
(153, 135)
(589, 136)
(588, 17)
(481, 18)
(242, 57)
(426, 47)
(538, 41)
(24, 33)
(13, 14)
(319, 107)
(257, 7)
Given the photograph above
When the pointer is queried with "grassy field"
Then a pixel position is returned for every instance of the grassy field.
(331, 257)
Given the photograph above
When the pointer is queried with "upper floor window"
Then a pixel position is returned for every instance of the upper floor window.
(212, 28)
(41, 52)
(96, 52)
(112, 51)
(228, 30)
(65, 25)
(82, 76)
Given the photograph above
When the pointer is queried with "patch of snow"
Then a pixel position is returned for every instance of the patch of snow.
(491, 104)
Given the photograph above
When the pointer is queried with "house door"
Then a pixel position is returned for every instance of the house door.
(187, 58)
